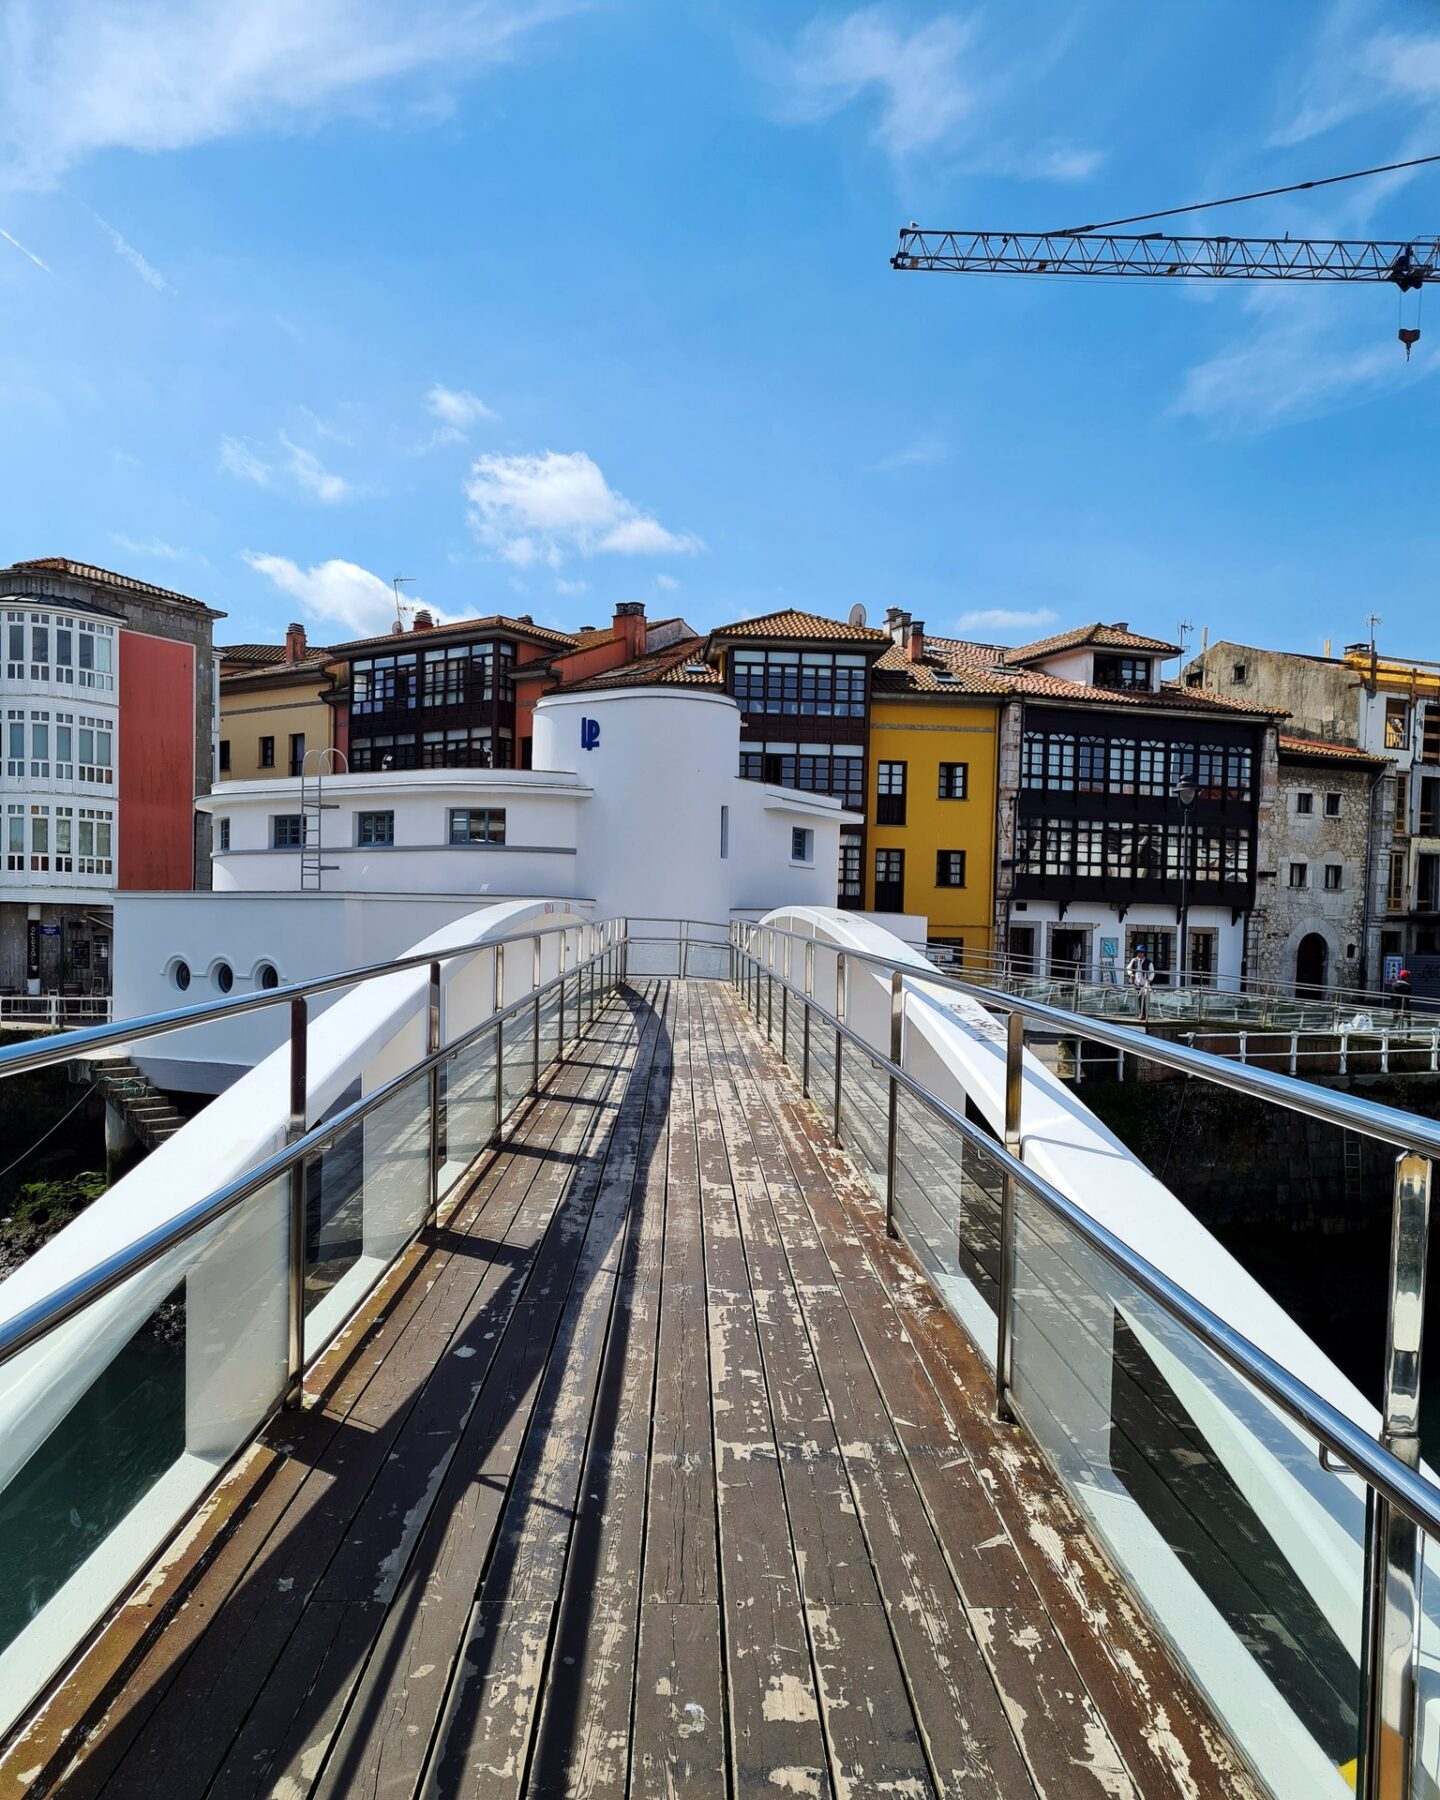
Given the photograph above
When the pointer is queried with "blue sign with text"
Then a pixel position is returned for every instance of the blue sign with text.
(589, 734)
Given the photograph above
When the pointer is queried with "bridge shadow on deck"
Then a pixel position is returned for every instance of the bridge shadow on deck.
(640, 1483)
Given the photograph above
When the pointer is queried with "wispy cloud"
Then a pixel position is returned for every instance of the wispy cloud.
(156, 547)
(338, 592)
(1003, 618)
(128, 253)
(456, 408)
(666, 583)
(929, 88)
(541, 509)
(923, 453)
(562, 586)
(297, 467)
(81, 76)
(15, 244)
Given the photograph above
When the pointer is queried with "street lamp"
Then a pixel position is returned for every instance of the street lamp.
(1186, 793)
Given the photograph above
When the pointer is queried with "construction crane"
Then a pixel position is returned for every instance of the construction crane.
(1155, 255)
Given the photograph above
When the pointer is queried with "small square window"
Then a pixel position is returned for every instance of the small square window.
(287, 831)
(1304, 803)
(477, 825)
(954, 780)
(1299, 875)
(1242, 672)
(1332, 806)
(950, 868)
(374, 828)
(802, 845)
(1332, 877)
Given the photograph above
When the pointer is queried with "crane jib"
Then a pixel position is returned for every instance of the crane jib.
(1158, 256)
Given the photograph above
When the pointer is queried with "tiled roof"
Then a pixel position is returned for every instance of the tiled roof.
(78, 571)
(458, 628)
(895, 674)
(676, 665)
(258, 674)
(253, 654)
(791, 624)
(965, 653)
(1307, 746)
(1170, 696)
(1103, 637)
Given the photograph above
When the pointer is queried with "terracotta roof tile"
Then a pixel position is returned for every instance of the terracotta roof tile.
(676, 665)
(1171, 696)
(458, 628)
(896, 674)
(789, 623)
(965, 653)
(1103, 637)
(78, 571)
(1308, 746)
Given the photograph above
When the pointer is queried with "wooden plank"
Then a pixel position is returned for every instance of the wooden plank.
(679, 1730)
(1158, 1728)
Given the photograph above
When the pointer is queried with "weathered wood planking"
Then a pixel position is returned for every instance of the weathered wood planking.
(659, 1471)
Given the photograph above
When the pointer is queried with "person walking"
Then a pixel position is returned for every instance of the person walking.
(1140, 974)
(1402, 993)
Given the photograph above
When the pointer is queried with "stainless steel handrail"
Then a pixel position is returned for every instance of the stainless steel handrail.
(1387, 1123)
(1416, 1497)
(20, 1057)
(46, 1315)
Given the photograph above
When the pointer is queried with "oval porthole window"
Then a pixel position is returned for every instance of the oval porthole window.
(223, 976)
(266, 976)
(180, 975)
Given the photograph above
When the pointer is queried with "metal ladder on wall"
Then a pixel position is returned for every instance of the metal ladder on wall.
(313, 807)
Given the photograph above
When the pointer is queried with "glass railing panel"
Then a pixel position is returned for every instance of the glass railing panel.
(947, 1207)
(114, 1424)
(864, 1119)
(1426, 1783)
(519, 1059)
(1247, 1552)
(469, 1104)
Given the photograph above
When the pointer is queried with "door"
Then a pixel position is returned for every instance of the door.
(1200, 962)
(890, 881)
(1310, 961)
(1022, 949)
(1069, 953)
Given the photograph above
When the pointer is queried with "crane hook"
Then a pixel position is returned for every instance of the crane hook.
(1409, 336)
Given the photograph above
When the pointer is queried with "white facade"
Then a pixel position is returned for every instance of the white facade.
(1107, 941)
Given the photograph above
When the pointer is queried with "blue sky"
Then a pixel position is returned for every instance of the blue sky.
(551, 305)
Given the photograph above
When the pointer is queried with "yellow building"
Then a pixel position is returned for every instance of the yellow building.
(933, 766)
(271, 711)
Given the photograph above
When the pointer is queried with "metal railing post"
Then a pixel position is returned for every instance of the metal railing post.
(535, 983)
(1392, 1547)
(805, 1034)
(892, 1115)
(560, 1041)
(295, 1295)
(499, 1039)
(785, 1002)
(625, 950)
(840, 985)
(769, 983)
(432, 1044)
(1004, 1310)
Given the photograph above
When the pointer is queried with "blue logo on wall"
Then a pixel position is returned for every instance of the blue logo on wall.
(589, 734)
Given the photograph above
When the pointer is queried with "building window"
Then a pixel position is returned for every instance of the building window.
(1397, 724)
(223, 976)
(954, 781)
(1395, 886)
(950, 868)
(1402, 806)
(297, 752)
(224, 756)
(374, 828)
(287, 831)
(95, 756)
(266, 976)
(852, 886)
(1090, 775)
(889, 881)
(1332, 877)
(267, 753)
(1130, 673)
(94, 832)
(837, 769)
(890, 793)
(180, 974)
(1241, 673)
(1299, 875)
(222, 835)
(724, 831)
(806, 684)
(477, 825)
(1332, 806)
(802, 845)
(1304, 803)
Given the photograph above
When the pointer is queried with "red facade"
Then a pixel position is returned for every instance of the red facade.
(156, 762)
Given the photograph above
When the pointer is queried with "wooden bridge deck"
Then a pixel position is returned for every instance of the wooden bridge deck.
(656, 1469)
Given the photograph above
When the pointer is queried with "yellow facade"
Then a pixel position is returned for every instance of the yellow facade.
(277, 707)
(923, 732)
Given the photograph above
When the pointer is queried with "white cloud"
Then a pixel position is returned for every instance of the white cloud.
(920, 454)
(933, 87)
(457, 410)
(338, 592)
(81, 76)
(667, 583)
(300, 466)
(1001, 618)
(156, 547)
(15, 244)
(541, 509)
(128, 253)
(562, 586)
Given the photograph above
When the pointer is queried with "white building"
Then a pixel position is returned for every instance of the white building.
(634, 807)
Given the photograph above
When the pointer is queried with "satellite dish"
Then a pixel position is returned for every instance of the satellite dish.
(857, 614)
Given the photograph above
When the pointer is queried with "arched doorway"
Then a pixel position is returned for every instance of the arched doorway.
(1310, 960)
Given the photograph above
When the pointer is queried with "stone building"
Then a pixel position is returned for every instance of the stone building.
(1321, 887)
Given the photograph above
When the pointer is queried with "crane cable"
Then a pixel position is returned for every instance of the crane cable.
(1295, 187)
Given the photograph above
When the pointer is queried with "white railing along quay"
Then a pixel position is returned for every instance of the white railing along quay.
(1277, 1538)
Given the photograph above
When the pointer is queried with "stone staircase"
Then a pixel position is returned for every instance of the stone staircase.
(149, 1114)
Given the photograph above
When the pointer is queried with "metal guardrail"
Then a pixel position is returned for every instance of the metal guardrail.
(57, 1011)
(1404, 1502)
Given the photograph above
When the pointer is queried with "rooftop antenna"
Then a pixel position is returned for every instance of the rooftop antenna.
(401, 608)
(1372, 620)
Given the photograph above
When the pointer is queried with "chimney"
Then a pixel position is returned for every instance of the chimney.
(422, 621)
(915, 642)
(629, 623)
(294, 643)
(897, 623)
(1121, 625)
